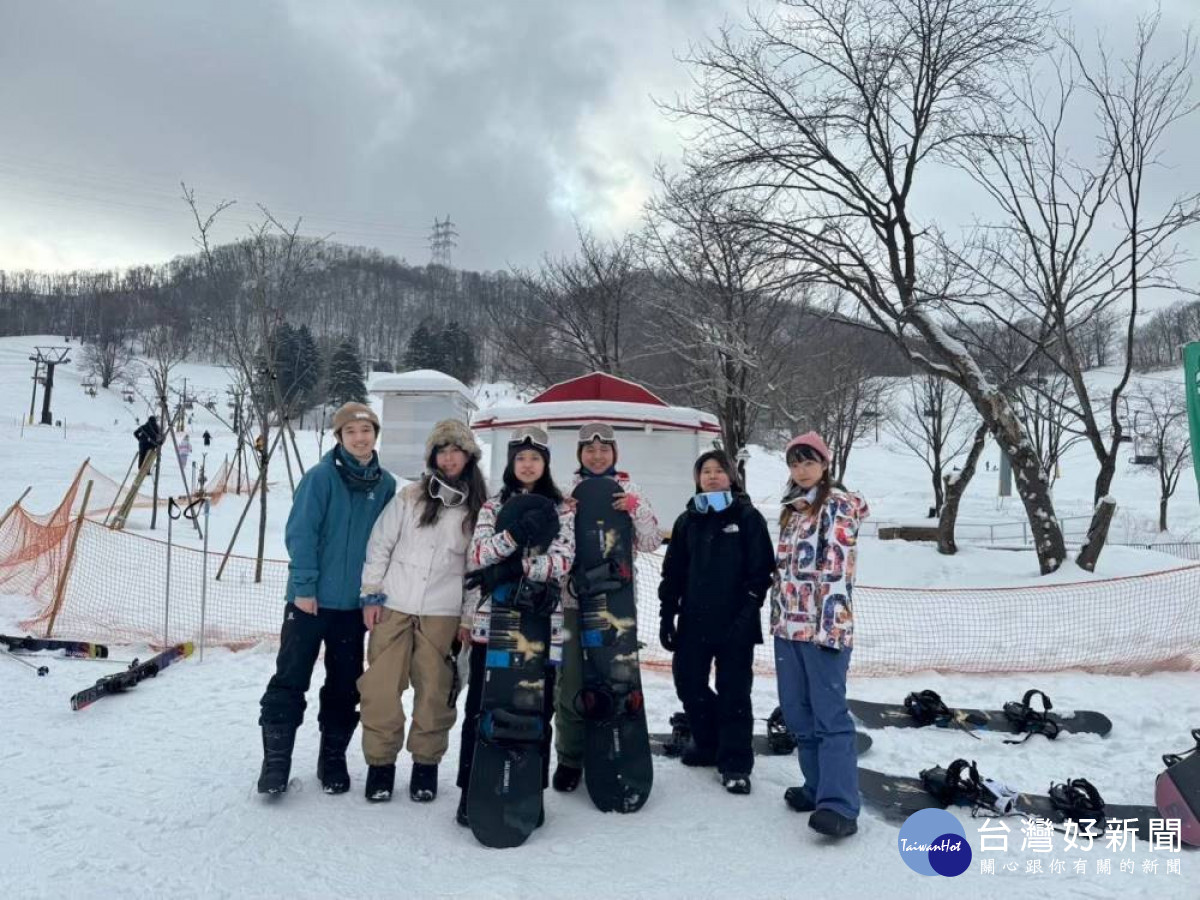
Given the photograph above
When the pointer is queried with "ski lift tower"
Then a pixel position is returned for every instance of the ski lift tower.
(49, 357)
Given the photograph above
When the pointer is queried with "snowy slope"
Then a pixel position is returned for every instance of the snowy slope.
(151, 794)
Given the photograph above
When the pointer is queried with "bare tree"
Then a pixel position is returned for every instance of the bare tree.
(1163, 408)
(932, 420)
(165, 347)
(571, 315)
(955, 487)
(832, 111)
(720, 291)
(1045, 405)
(277, 258)
(107, 358)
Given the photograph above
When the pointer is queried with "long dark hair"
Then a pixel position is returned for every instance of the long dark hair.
(824, 486)
(471, 480)
(544, 485)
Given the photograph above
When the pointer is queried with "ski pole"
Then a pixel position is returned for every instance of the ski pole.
(204, 580)
(41, 670)
(172, 515)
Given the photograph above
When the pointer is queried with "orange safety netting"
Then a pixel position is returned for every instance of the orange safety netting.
(116, 590)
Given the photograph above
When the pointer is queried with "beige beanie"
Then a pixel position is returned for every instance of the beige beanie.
(354, 412)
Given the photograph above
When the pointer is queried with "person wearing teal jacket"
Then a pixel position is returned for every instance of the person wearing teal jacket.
(333, 511)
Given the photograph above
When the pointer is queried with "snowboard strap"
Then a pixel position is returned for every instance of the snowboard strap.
(928, 708)
(538, 597)
(779, 740)
(1174, 759)
(960, 784)
(504, 726)
(1078, 799)
(597, 702)
(1025, 719)
(602, 578)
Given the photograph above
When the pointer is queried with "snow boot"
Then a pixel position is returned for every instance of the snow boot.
(331, 762)
(736, 782)
(422, 787)
(695, 755)
(832, 824)
(461, 815)
(278, 741)
(566, 778)
(799, 799)
(381, 781)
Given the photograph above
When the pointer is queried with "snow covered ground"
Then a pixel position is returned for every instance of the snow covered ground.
(152, 794)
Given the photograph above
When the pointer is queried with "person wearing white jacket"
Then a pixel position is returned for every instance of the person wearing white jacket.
(413, 599)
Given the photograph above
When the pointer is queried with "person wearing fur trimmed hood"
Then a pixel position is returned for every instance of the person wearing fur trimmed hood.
(499, 557)
(333, 512)
(597, 455)
(413, 600)
(718, 568)
(812, 620)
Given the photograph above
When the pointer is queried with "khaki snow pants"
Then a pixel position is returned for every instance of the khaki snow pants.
(406, 649)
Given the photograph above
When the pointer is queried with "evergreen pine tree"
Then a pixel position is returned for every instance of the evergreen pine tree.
(458, 353)
(345, 381)
(422, 351)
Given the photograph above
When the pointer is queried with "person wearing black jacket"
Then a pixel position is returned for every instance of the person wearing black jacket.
(718, 569)
(148, 438)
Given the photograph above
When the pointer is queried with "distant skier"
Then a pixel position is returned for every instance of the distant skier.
(812, 619)
(185, 451)
(148, 437)
(207, 439)
(333, 511)
(718, 568)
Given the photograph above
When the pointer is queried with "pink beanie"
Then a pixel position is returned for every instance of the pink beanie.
(810, 439)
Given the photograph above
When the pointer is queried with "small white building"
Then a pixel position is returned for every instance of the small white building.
(413, 402)
(657, 443)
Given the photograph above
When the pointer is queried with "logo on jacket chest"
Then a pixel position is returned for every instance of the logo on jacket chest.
(731, 528)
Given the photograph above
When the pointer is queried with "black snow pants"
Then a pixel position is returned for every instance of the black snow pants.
(342, 631)
(721, 721)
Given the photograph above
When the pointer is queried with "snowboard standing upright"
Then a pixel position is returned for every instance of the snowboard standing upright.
(504, 802)
(617, 766)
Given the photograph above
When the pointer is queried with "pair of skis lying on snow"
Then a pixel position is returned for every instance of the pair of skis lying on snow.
(117, 683)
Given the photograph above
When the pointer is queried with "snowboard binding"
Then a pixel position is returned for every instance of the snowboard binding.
(961, 785)
(598, 702)
(1029, 721)
(779, 739)
(1174, 759)
(506, 727)
(1079, 800)
(927, 708)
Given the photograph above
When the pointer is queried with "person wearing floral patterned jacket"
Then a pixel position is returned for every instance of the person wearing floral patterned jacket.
(812, 620)
(597, 455)
(496, 556)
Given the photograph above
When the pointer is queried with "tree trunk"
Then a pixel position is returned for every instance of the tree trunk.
(1097, 534)
(955, 488)
(1162, 512)
(939, 494)
(262, 515)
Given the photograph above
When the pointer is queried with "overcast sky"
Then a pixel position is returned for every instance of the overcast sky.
(369, 117)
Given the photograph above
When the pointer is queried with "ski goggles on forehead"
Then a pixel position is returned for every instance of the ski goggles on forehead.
(530, 434)
(597, 431)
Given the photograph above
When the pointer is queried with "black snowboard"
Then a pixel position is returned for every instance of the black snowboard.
(894, 715)
(896, 797)
(504, 801)
(663, 744)
(617, 765)
(1177, 791)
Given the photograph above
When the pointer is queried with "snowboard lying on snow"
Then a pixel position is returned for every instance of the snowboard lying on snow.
(925, 708)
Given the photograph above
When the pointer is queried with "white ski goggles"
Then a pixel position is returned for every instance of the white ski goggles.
(597, 431)
(530, 434)
(447, 493)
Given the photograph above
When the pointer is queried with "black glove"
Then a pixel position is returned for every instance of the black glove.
(746, 627)
(490, 577)
(666, 633)
(537, 527)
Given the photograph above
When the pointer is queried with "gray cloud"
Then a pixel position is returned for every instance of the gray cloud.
(368, 117)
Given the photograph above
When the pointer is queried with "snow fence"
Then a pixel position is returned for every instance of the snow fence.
(114, 590)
